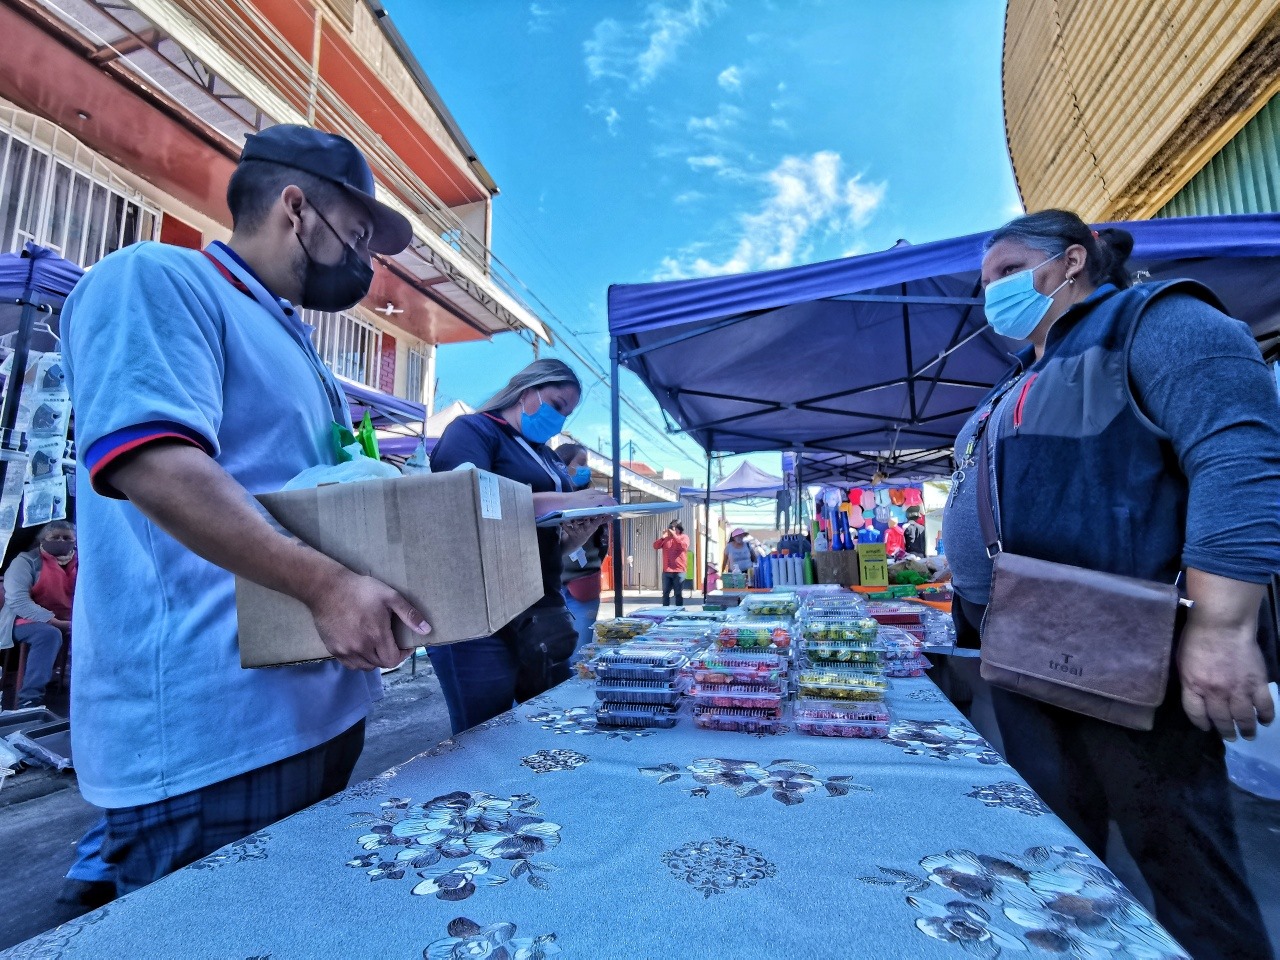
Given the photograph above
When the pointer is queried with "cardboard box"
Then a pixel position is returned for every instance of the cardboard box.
(461, 546)
(836, 566)
(873, 565)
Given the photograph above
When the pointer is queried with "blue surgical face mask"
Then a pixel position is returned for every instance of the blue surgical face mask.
(543, 424)
(582, 477)
(1014, 306)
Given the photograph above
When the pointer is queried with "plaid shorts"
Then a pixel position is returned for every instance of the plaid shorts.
(148, 842)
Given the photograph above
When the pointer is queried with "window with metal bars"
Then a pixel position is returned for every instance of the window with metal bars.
(415, 387)
(56, 192)
(349, 344)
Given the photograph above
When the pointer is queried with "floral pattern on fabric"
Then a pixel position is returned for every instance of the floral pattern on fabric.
(1053, 899)
(1010, 795)
(365, 790)
(548, 761)
(926, 695)
(253, 847)
(716, 865)
(480, 831)
(787, 780)
(941, 740)
(50, 944)
(582, 721)
(467, 940)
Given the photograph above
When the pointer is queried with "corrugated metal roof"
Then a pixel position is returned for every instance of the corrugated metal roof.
(1111, 105)
(1244, 177)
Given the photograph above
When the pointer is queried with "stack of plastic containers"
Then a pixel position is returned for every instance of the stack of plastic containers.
(639, 685)
(840, 679)
(610, 634)
(898, 613)
(902, 656)
(740, 684)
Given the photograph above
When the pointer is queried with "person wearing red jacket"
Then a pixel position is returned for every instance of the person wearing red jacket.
(675, 561)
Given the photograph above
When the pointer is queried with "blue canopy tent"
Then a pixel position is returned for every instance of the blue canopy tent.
(879, 358)
(748, 482)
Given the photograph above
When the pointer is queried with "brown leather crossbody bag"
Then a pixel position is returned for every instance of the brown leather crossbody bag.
(1095, 643)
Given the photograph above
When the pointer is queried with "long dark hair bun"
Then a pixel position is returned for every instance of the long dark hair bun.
(1052, 231)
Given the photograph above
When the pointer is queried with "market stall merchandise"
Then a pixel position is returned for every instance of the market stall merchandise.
(518, 835)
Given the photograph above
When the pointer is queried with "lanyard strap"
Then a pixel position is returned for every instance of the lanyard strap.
(989, 505)
(337, 404)
(555, 477)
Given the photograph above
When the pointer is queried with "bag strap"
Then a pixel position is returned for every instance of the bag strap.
(988, 507)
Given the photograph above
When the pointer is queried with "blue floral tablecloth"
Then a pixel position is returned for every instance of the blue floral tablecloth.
(539, 835)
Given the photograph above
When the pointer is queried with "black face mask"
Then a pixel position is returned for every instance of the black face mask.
(58, 548)
(334, 287)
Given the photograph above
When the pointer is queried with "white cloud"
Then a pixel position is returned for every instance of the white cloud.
(725, 117)
(637, 52)
(609, 114)
(689, 196)
(808, 198)
(730, 78)
(540, 15)
(709, 162)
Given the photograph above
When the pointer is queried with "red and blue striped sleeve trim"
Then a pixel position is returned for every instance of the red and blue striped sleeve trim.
(108, 450)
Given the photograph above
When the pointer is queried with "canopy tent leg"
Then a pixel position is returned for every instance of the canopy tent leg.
(17, 374)
(615, 528)
(706, 528)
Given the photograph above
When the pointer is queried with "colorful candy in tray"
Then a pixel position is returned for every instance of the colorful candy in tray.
(898, 644)
(770, 605)
(725, 667)
(829, 718)
(906, 668)
(895, 612)
(621, 629)
(842, 651)
(738, 719)
(827, 684)
(830, 627)
(615, 689)
(772, 635)
(695, 616)
(636, 715)
(737, 695)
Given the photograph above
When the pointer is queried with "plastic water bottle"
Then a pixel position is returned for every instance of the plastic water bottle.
(1255, 765)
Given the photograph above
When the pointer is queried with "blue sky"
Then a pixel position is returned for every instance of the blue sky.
(636, 141)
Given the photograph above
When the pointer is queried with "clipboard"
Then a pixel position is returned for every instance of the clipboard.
(623, 511)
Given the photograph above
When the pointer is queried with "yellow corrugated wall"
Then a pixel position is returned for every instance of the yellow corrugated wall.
(1111, 106)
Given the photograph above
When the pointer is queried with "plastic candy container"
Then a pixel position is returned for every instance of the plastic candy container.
(830, 627)
(821, 718)
(840, 604)
(898, 644)
(738, 719)
(737, 695)
(621, 629)
(842, 651)
(770, 635)
(656, 614)
(636, 715)
(895, 612)
(762, 669)
(771, 605)
(695, 616)
(911, 667)
(630, 663)
(822, 684)
(651, 692)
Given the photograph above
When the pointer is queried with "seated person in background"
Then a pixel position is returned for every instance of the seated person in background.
(38, 587)
(581, 576)
(895, 540)
(914, 535)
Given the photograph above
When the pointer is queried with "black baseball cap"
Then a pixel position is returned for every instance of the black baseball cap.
(338, 160)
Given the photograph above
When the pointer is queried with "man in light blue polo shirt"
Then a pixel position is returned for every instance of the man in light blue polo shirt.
(195, 386)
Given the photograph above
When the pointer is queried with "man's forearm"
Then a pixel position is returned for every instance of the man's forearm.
(189, 496)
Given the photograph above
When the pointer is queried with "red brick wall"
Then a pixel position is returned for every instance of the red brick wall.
(387, 368)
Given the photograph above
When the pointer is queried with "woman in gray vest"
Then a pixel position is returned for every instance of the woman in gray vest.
(1131, 415)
